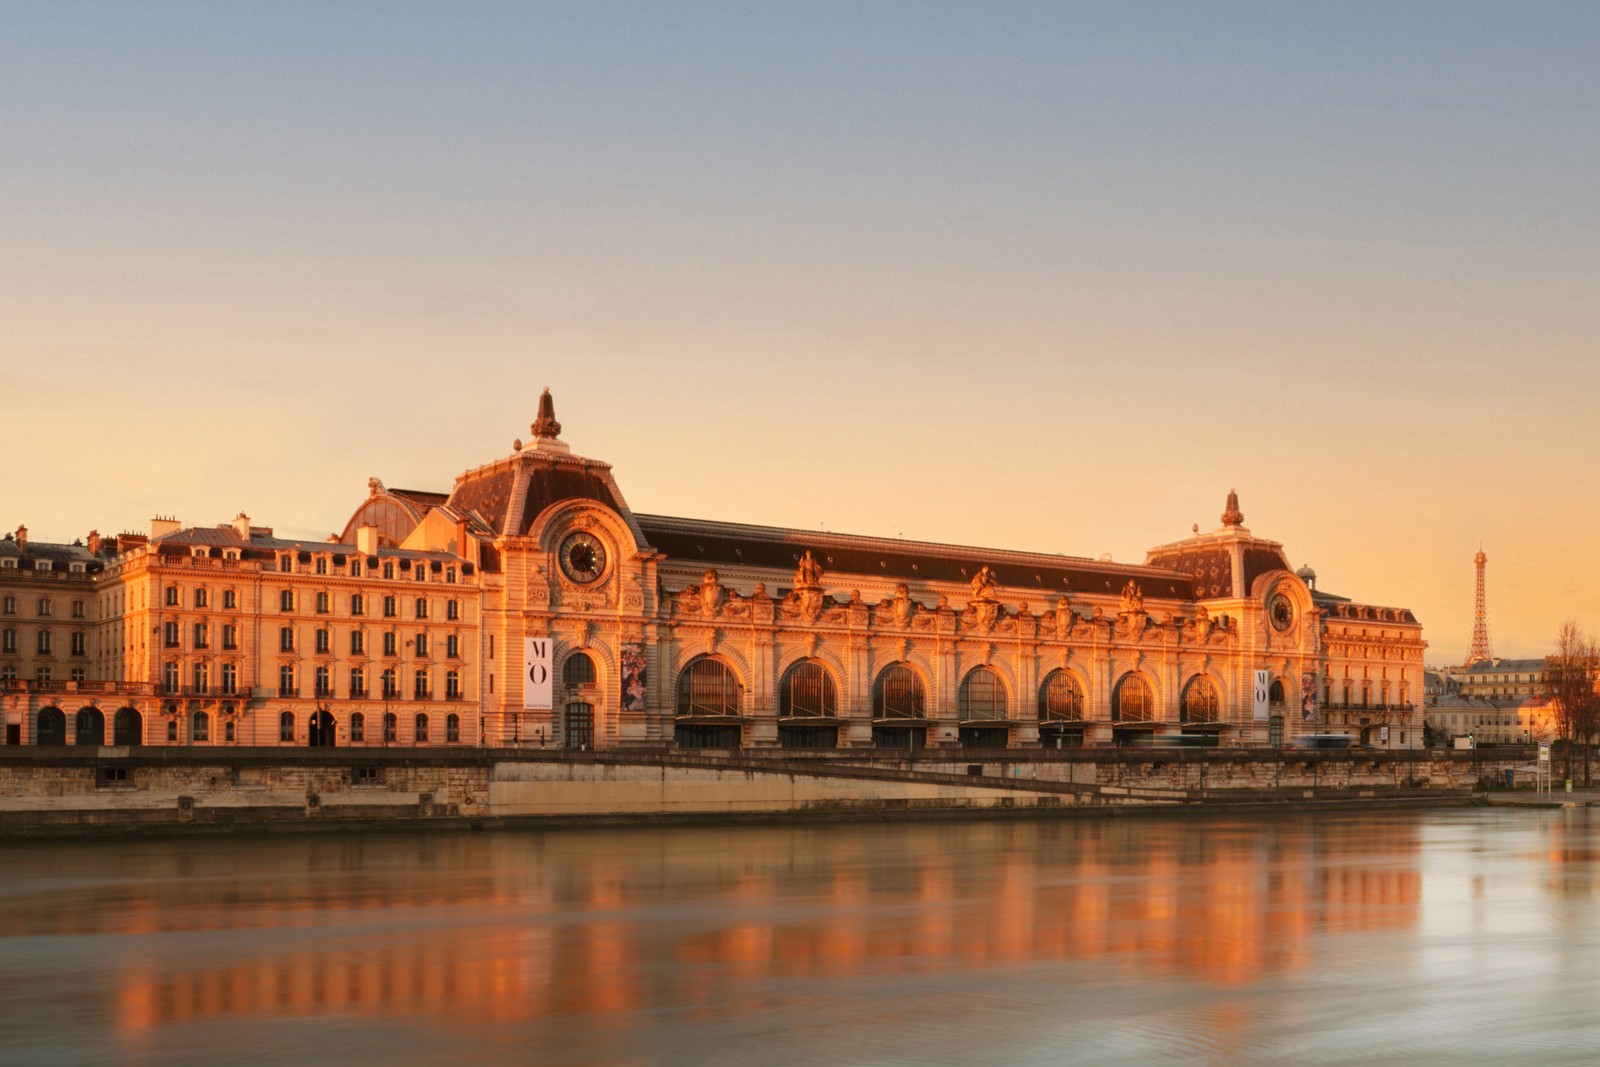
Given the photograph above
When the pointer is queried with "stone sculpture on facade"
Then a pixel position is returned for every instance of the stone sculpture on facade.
(807, 599)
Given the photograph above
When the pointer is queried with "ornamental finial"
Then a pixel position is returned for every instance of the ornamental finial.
(546, 425)
(1231, 515)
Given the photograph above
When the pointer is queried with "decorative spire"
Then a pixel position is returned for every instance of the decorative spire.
(1231, 515)
(546, 425)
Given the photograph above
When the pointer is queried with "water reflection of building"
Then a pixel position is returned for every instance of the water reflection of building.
(412, 625)
(720, 924)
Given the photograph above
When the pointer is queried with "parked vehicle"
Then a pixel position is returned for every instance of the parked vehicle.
(1324, 741)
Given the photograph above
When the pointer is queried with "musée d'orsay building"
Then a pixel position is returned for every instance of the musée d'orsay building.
(435, 617)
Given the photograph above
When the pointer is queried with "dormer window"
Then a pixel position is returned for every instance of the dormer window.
(77, 568)
(41, 564)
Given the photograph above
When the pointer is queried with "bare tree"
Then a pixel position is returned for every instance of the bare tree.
(1570, 674)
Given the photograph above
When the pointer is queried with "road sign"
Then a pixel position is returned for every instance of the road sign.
(1544, 752)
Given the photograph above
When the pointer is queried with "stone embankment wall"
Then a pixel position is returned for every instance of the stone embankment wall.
(51, 791)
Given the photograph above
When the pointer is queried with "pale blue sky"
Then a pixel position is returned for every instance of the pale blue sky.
(1050, 276)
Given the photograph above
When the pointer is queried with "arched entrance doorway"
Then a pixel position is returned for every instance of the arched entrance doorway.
(127, 727)
(91, 727)
(322, 733)
(51, 728)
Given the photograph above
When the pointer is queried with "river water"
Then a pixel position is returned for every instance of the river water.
(1461, 936)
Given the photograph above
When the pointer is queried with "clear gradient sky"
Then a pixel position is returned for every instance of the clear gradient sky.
(1037, 275)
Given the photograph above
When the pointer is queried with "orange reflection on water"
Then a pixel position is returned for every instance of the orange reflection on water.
(501, 929)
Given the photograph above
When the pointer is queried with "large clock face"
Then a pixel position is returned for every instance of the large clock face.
(1280, 611)
(583, 557)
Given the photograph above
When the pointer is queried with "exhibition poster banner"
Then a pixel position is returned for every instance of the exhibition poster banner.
(536, 674)
(634, 678)
(1262, 688)
(1308, 696)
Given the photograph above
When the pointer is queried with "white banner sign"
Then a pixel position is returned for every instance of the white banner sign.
(536, 663)
(1262, 688)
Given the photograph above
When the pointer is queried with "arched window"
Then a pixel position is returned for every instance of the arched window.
(91, 727)
(422, 727)
(358, 726)
(708, 687)
(52, 727)
(808, 691)
(1275, 694)
(452, 727)
(1060, 698)
(983, 695)
(286, 726)
(127, 727)
(579, 669)
(898, 694)
(1200, 701)
(200, 727)
(1133, 701)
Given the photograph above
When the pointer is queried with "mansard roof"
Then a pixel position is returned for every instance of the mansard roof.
(262, 544)
(729, 544)
(60, 557)
(508, 495)
(1224, 563)
(1502, 666)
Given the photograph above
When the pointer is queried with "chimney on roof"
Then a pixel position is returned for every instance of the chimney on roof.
(94, 542)
(162, 525)
(367, 539)
(241, 526)
(22, 537)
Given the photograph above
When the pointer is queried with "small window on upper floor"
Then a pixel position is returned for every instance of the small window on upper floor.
(76, 568)
(41, 565)
(322, 564)
(230, 599)
(77, 609)
(388, 570)
(172, 596)
(44, 607)
(200, 597)
(355, 567)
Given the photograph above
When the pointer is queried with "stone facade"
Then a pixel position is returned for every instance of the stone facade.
(680, 632)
